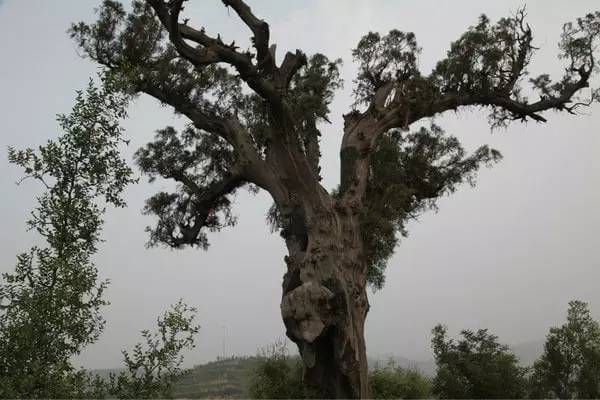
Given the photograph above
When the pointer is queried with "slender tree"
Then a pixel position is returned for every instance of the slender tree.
(50, 304)
(570, 365)
(254, 123)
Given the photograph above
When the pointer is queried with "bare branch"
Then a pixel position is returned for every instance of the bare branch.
(524, 51)
(211, 50)
(170, 21)
(260, 30)
(292, 62)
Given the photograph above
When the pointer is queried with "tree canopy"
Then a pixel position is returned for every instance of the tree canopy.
(570, 364)
(230, 94)
(476, 367)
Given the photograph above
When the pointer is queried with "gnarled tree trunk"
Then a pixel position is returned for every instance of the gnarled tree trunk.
(324, 303)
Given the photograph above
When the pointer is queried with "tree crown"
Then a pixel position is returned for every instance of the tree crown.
(256, 124)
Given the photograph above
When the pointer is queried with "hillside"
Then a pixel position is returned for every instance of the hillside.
(228, 378)
(219, 379)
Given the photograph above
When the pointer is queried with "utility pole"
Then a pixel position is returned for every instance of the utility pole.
(225, 337)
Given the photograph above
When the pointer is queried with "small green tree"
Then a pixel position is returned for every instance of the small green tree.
(570, 365)
(50, 305)
(153, 368)
(475, 367)
(392, 382)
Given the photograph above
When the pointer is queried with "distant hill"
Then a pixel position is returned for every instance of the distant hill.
(427, 368)
(221, 379)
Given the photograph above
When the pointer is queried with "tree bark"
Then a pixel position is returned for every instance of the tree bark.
(324, 303)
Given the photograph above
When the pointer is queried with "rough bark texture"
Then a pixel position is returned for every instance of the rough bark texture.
(324, 303)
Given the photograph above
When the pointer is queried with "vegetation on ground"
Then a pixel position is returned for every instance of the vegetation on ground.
(50, 306)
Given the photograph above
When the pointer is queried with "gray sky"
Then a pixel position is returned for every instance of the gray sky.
(507, 255)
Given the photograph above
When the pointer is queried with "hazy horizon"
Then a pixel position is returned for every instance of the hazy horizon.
(506, 255)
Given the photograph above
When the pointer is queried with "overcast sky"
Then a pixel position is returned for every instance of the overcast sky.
(507, 255)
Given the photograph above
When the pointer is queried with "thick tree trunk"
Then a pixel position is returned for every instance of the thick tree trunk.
(324, 303)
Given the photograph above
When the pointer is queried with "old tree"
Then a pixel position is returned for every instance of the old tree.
(254, 123)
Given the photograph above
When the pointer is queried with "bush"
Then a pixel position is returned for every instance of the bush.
(394, 382)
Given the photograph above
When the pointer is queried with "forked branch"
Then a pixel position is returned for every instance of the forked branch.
(260, 30)
(210, 50)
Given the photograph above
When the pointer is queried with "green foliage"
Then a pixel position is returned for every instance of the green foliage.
(393, 382)
(578, 43)
(489, 62)
(570, 365)
(153, 367)
(475, 367)
(50, 305)
(135, 48)
(484, 57)
(384, 59)
(196, 161)
(408, 174)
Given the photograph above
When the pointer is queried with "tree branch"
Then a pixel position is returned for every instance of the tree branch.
(519, 110)
(312, 148)
(255, 168)
(210, 123)
(292, 62)
(203, 203)
(211, 50)
(524, 50)
(170, 20)
(260, 30)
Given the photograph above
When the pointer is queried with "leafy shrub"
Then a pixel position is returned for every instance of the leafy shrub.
(476, 367)
(392, 382)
